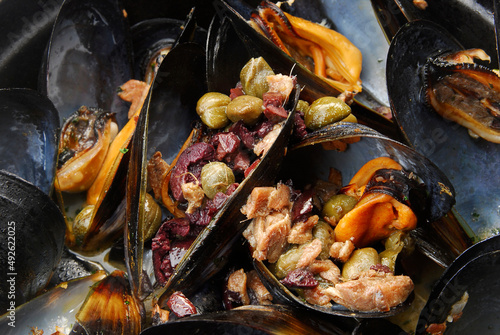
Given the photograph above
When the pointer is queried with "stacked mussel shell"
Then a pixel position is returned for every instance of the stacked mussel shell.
(91, 52)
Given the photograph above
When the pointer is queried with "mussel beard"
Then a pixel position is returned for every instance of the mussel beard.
(84, 143)
(467, 94)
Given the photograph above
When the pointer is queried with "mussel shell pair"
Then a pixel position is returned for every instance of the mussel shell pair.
(471, 165)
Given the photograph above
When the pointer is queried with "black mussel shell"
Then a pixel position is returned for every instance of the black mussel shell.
(32, 239)
(476, 272)
(178, 85)
(433, 202)
(30, 132)
(252, 319)
(471, 23)
(88, 57)
(472, 166)
(149, 37)
(26, 28)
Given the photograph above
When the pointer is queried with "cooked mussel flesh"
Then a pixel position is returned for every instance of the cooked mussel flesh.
(84, 143)
(465, 92)
(325, 52)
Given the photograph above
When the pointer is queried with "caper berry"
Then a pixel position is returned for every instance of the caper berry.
(286, 262)
(216, 177)
(152, 217)
(246, 108)
(82, 222)
(253, 77)
(211, 108)
(302, 106)
(324, 232)
(337, 206)
(361, 260)
(324, 111)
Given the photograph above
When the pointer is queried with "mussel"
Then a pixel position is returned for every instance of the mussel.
(471, 164)
(221, 231)
(429, 205)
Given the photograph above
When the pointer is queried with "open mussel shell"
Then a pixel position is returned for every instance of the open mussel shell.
(29, 128)
(88, 57)
(164, 124)
(208, 253)
(231, 30)
(310, 156)
(32, 239)
(475, 273)
(251, 319)
(178, 85)
(473, 166)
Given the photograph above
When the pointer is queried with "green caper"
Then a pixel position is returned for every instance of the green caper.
(253, 77)
(152, 219)
(337, 206)
(211, 108)
(246, 108)
(361, 260)
(393, 246)
(324, 232)
(216, 177)
(286, 262)
(302, 106)
(81, 225)
(350, 118)
(324, 111)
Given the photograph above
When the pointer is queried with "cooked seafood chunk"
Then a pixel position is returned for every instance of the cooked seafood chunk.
(373, 291)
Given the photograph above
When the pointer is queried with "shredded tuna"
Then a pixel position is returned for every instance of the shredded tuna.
(157, 170)
(264, 200)
(267, 235)
(280, 83)
(373, 291)
(263, 146)
(326, 270)
(194, 194)
(258, 289)
(237, 284)
(341, 251)
(317, 296)
(301, 232)
(309, 253)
